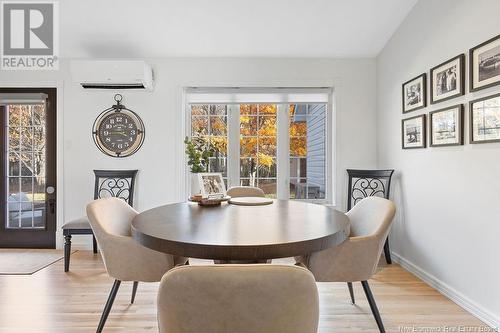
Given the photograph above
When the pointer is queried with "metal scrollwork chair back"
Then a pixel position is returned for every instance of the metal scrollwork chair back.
(108, 183)
(115, 183)
(367, 183)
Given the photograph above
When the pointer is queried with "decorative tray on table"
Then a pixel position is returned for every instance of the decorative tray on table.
(208, 201)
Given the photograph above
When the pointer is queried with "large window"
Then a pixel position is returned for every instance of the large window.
(280, 147)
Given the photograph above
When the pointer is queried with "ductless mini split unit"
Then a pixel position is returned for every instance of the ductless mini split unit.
(112, 74)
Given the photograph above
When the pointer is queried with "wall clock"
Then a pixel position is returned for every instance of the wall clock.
(118, 131)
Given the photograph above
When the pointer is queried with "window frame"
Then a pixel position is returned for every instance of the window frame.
(282, 146)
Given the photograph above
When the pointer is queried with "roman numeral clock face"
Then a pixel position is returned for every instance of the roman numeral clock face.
(118, 132)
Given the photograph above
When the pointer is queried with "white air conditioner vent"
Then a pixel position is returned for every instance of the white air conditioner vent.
(112, 74)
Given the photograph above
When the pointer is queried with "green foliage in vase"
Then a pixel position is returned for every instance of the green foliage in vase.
(198, 152)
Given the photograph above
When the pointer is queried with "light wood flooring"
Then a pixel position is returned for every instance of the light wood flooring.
(53, 301)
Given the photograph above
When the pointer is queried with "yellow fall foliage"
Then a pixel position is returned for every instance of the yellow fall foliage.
(257, 130)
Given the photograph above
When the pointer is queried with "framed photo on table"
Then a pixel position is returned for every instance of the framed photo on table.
(484, 120)
(447, 126)
(212, 185)
(415, 93)
(413, 132)
(484, 63)
(448, 79)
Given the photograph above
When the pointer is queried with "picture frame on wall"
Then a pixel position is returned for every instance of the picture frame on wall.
(484, 114)
(415, 93)
(484, 64)
(413, 132)
(447, 80)
(447, 126)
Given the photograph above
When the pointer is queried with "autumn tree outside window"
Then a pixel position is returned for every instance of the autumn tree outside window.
(279, 147)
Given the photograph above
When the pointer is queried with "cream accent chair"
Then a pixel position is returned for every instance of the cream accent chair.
(124, 258)
(238, 298)
(245, 191)
(356, 259)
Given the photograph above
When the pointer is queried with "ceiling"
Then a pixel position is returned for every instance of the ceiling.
(228, 28)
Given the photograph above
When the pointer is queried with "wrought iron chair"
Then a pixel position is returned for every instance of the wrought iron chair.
(368, 183)
(108, 183)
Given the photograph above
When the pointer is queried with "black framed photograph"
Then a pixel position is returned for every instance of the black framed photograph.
(484, 63)
(484, 120)
(447, 126)
(415, 93)
(447, 79)
(413, 132)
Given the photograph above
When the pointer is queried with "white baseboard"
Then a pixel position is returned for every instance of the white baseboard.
(461, 300)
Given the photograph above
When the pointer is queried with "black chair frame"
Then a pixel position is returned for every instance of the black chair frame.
(369, 183)
(113, 183)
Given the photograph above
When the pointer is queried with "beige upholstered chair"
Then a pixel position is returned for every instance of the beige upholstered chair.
(124, 258)
(245, 191)
(238, 298)
(356, 259)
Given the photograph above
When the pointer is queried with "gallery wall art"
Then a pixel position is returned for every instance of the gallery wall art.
(447, 81)
(415, 93)
(484, 64)
(413, 132)
(484, 119)
(447, 126)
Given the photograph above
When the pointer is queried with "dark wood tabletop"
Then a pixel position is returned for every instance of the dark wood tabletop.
(230, 232)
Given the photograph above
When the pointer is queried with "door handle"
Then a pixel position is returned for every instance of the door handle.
(52, 206)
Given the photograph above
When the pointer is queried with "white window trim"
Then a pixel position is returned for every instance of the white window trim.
(282, 97)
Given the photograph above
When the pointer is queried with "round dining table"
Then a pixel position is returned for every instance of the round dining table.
(285, 228)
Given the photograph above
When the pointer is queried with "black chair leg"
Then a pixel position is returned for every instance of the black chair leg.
(134, 290)
(109, 304)
(67, 251)
(94, 244)
(387, 252)
(351, 291)
(373, 306)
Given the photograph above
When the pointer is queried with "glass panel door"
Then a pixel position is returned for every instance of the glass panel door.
(28, 168)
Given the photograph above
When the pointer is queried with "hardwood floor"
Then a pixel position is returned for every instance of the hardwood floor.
(53, 301)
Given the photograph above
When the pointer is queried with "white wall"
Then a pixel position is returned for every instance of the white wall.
(448, 222)
(161, 159)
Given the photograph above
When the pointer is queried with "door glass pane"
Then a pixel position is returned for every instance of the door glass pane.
(14, 164)
(14, 136)
(27, 166)
(26, 193)
(307, 151)
(14, 188)
(14, 213)
(26, 138)
(39, 214)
